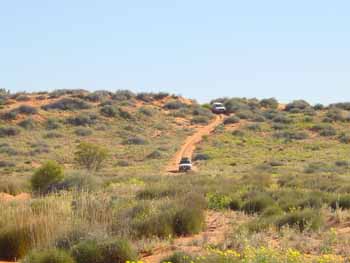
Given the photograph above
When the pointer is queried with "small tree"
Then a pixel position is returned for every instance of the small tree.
(47, 176)
(90, 156)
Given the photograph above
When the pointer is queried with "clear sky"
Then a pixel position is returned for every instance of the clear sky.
(201, 49)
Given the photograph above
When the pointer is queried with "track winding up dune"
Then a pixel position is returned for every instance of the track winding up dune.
(187, 149)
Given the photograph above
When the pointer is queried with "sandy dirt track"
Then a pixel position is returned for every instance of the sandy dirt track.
(187, 149)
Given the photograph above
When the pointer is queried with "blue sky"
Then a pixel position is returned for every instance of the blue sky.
(198, 48)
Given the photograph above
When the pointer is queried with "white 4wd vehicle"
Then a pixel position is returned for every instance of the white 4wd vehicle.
(218, 108)
(185, 164)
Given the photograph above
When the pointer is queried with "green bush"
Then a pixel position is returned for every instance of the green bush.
(188, 221)
(271, 103)
(324, 130)
(90, 156)
(200, 120)
(15, 243)
(87, 252)
(342, 202)
(82, 120)
(178, 257)
(67, 104)
(9, 131)
(52, 124)
(291, 135)
(303, 220)
(49, 256)
(83, 132)
(27, 124)
(45, 178)
(117, 251)
(218, 201)
(257, 204)
(156, 225)
(109, 111)
(272, 211)
(174, 105)
(231, 120)
(344, 138)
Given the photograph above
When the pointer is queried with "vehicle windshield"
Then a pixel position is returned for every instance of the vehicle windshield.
(185, 161)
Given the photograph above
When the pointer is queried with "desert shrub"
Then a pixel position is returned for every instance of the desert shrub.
(122, 95)
(291, 135)
(154, 155)
(341, 105)
(83, 132)
(201, 157)
(257, 204)
(145, 96)
(109, 111)
(231, 120)
(52, 135)
(52, 124)
(218, 201)
(312, 200)
(41, 97)
(39, 148)
(82, 120)
(235, 204)
(125, 114)
(156, 225)
(87, 251)
(174, 105)
(45, 178)
(27, 124)
(301, 219)
(15, 242)
(7, 149)
(272, 211)
(271, 103)
(334, 114)
(254, 127)
(200, 120)
(202, 111)
(324, 130)
(245, 114)
(238, 133)
(279, 126)
(97, 96)
(344, 138)
(7, 131)
(25, 109)
(178, 257)
(67, 104)
(78, 181)
(156, 192)
(6, 164)
(123, 163)
(147, 111)
(342, 201)
(61, 92)
(90, 156)
(49, 256)
(318, 107)
(235, 104)
(317, 167)
(13, 186)
(282, 118)
(297, 106)
(22, 97)
(160, 95)
(188, 221)
(117, 251)
(135, 141)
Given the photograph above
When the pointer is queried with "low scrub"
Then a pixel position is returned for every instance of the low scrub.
(188, 221)
(7, 131)
(302, 220)
(231, 120)
(67, 104)
(49, 256)
(178, 257)
(257, 204)
(110, 251)
(15, 243)
(46, 177)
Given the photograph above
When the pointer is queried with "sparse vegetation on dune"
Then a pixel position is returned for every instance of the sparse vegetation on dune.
(271, 183)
